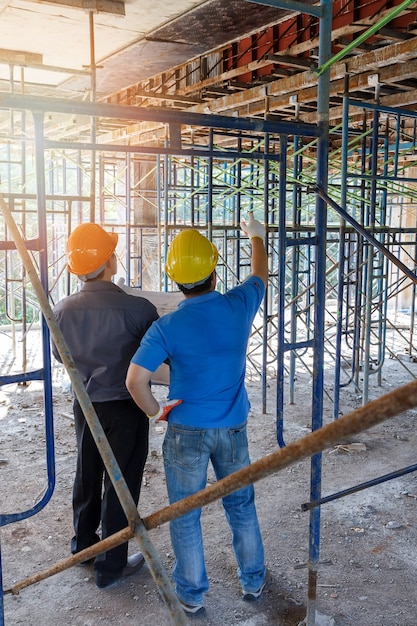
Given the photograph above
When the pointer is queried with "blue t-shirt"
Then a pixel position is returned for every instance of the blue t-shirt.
(205, 339)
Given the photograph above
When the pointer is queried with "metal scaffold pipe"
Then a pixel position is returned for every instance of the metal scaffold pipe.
(363, 418)
(365, 233)
(151, 556)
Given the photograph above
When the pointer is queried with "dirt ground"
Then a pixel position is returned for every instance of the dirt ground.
(367, 575)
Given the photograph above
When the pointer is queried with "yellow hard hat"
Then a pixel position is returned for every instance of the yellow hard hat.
(191, 258)
(89, 247)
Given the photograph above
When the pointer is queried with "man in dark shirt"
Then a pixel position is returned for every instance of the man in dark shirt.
(103, 326)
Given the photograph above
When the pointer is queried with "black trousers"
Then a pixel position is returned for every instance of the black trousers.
(94, 498)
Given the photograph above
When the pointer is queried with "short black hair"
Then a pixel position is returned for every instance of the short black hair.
(197, 289)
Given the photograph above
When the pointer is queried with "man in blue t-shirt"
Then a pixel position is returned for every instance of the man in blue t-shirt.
(205, 340)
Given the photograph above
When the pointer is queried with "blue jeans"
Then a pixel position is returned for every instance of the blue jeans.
(187, 451)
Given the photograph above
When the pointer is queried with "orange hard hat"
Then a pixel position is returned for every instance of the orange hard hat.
(191, 258)
(89, 247)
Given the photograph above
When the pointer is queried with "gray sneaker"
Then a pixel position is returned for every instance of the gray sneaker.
(191, 608)
(250, 596)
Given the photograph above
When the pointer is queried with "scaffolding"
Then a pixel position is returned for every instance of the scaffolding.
(339, 204)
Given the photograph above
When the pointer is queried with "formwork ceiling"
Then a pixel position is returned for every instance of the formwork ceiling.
(238, 57)
(46, 38)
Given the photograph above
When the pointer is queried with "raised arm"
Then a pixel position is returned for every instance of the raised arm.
(259, 259)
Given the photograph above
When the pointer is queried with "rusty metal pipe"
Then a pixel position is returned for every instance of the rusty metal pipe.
(375, 412)
(125, 497)
(365, 417)
(89, 553)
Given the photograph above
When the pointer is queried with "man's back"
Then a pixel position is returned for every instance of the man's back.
(103, 326)
(205, 340)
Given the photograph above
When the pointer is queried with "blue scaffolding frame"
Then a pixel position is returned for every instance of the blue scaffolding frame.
(269, 141)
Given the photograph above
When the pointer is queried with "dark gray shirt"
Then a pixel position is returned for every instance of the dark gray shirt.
(103, 326)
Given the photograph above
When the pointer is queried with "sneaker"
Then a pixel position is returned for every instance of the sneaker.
(191, 608)
(133, 565)
(250, 596)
